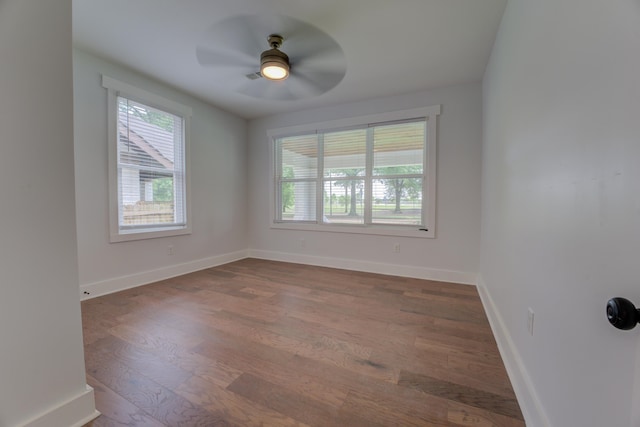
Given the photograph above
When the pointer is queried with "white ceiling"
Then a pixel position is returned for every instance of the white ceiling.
(391, 47)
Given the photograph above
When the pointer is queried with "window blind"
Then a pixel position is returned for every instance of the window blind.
(150, 156)
(368, 175)
(297, 177)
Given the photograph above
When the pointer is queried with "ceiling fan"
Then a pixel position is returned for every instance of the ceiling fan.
(274, 64)
(300, 60)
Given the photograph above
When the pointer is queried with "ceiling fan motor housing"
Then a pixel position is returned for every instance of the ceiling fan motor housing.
(273, 55)
(274, 64)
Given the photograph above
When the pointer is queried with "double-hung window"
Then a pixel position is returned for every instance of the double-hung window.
(373, 174)
(148, 178)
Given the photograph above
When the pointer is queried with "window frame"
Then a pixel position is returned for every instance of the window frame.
(117, 89)
(426, 230)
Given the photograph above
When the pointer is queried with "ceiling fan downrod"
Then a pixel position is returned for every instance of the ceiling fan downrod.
(275, 41)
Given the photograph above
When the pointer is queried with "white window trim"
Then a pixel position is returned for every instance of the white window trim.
(430, 114)
(117, 88)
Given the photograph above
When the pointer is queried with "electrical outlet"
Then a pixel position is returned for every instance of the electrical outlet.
(396, 247)
(530, 321)
(170, 250)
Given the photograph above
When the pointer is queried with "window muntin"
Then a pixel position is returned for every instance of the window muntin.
(369, 176)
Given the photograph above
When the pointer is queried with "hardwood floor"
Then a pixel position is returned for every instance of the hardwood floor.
(262, 343)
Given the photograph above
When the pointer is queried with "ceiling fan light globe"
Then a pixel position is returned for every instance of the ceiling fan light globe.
(274, 71)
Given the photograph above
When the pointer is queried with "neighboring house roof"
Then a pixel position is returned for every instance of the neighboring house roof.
(145, 144)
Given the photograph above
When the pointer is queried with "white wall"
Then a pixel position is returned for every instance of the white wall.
(218, 187)
(561, 204)
(452, 255)
(41, 355)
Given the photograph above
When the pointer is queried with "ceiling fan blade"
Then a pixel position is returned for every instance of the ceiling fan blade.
(297, 86)
(308, 39)
(317, 60)
(313, 83)
(267, 89)
(241, 34)
(327, 60)
(226, 58)
(249, 33)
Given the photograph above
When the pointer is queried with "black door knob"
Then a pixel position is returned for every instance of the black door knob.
(622, 313)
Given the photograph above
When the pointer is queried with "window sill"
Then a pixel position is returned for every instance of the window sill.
(380, 230)
(151, 233)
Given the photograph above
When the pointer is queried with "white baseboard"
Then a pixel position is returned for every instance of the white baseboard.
(96, 289)
(75, 412)
(530, 404)
(368, 266)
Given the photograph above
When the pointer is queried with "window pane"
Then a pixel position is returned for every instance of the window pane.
(399, 148)
(146, 198)
(345, 153)
(150, 166)
(397, 201)
(299, 156)
(298, 201)
(344, 201)
(146, 136)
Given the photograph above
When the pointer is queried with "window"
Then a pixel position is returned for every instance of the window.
(373, 174)
(148, 178)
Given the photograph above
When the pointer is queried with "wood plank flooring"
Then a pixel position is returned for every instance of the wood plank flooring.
(263, 343)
